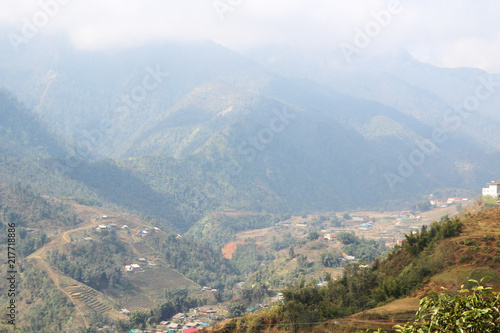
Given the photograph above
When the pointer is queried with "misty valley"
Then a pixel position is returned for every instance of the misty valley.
(235, 183)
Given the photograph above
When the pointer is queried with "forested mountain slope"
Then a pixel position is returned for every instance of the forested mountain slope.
(192, 128)
(22, 134)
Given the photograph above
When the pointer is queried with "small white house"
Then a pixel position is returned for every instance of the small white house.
(132, 268)
(438, 202)
(492, 190)
(101, 227)
(331, 237)
(125, 311)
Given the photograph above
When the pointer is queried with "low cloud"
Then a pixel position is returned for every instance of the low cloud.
(449, 33)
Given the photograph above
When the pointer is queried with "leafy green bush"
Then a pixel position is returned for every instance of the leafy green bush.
(347, 238)
(313, 235)
(331, 259)
(471, 311)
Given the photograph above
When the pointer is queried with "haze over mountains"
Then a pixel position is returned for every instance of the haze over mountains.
(167, 165)
(191, 128)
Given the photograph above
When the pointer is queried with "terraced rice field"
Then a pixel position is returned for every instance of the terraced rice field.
(89, 296)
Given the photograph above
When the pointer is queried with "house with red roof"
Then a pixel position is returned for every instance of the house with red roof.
(191, 330)
(454, 199)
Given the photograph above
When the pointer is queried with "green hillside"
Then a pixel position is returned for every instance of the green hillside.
(22, 134)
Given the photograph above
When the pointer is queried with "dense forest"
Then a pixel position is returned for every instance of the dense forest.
(97, 263)
(32, 215)
(48, 309)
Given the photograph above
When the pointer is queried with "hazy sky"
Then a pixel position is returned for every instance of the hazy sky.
(448, 33)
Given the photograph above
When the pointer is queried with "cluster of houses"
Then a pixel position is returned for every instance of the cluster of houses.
(198, 318)
(442, 203)
(173, 326)
(111, 225)
(188, 323)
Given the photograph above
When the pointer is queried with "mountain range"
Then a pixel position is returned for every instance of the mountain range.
(193, 128)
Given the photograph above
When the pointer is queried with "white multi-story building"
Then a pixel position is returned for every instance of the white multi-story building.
(492, 190)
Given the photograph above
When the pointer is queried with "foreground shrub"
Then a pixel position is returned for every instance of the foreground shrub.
(471, 311)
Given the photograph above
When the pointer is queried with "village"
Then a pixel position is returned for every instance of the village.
(197, 318)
